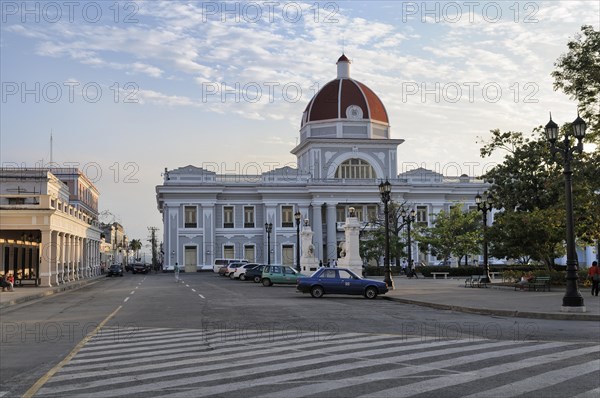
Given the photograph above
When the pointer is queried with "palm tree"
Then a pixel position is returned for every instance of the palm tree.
(135, 245)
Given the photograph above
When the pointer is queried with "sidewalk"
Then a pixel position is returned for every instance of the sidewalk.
(451, 294)
(30, 293)
(447, 294)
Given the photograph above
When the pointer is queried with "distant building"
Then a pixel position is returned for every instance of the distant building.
(49, 231)
(114, 245)
(345, 151)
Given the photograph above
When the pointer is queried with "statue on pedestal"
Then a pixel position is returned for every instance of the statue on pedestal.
(308, 261)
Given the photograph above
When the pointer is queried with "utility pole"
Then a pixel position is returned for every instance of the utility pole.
(153, 243)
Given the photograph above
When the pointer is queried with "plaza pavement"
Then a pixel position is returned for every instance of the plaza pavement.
(447, 294)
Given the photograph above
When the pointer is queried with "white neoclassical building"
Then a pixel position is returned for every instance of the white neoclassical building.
(49, 232)
(345, 151)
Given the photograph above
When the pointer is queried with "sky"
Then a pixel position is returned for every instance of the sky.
(127, 88)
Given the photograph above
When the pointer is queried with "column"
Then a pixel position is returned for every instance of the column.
(317, 227)
(71, 256)
(46, 264)
(77, 267)
(331, 232)
(55, 257)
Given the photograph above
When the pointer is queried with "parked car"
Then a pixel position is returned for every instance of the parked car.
(339, 281)
(141, 268)
(200, 268)
(115, 269)
(281, 274)
(128, 267)
(255, 274)
(230, 269)
(240, 271)
(220, 262)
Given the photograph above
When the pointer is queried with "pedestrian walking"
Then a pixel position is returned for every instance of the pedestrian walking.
(404, 266)
(594, 275)
(412, 271)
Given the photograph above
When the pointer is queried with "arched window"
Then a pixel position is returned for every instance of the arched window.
(355, 169)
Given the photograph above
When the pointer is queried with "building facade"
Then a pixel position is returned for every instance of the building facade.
(114, 245)
(345, 151)
(49, 232)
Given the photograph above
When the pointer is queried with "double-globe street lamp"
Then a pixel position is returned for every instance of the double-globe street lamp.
(572, 301)
(408, 219)
(297, 217)
(268, 228)
(484, 205)
(385, 189)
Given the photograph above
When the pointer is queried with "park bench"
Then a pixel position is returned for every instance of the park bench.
(22, 282)
(476, 281)
(539, 282)
(472, 280)
(440, 273)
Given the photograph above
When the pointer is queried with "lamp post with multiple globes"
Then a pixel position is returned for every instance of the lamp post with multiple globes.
(572, 300)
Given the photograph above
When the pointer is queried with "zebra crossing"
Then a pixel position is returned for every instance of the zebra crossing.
(257, 363)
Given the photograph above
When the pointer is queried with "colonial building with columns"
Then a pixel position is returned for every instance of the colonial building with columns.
(345, 150)
(49, 231)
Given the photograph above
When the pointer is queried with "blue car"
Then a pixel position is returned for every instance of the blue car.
(339, 281)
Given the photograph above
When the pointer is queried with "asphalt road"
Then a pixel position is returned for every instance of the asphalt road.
(230, 324)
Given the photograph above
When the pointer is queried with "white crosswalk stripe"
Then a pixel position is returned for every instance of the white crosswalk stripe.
(193, 363)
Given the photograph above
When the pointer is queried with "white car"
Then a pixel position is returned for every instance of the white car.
(232, 267)
(240, 272)
(220, 262)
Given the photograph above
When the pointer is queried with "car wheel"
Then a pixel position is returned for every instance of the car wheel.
(257, 279)
(243, 277)
(266, 282)
(371, 292)
(231, 275)
(317, 292)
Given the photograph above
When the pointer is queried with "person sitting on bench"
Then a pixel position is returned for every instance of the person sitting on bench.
(525, 279)
(6, 284)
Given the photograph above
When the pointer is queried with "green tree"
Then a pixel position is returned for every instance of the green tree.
(455, 233)
(136, 246)
(530, 182)
(536, 235)
(577, 74)
(372, 244)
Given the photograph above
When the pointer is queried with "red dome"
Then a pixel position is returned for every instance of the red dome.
(334, 99)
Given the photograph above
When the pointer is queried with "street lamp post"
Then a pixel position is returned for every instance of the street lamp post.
(408, 220)
(385, 188)
(485, 205)
(268, 228)
(572, 300)
(297, 217)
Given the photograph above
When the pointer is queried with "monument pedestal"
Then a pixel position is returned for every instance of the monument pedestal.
(350, 252)
(308, 262)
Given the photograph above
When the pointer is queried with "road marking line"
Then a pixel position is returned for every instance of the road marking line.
(187, 285)
(133, 291)
(3, 393)
(42, 380)
(126, 298)
(193, 290)
(201, 296)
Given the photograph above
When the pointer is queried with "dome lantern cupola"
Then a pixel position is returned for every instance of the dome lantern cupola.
(343, 67)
